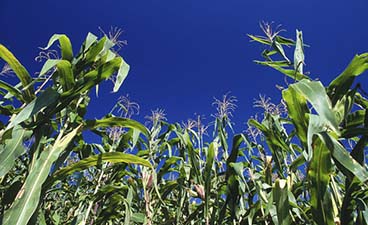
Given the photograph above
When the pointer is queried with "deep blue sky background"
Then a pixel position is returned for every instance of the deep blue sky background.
(184, 53)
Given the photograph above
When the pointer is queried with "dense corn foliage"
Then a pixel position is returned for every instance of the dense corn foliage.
(302, 161)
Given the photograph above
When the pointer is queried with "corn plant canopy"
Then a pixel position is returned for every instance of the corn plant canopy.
(303, 162)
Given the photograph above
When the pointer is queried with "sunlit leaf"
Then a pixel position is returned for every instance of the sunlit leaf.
(20, 71)
(65, 46)
(28, 197)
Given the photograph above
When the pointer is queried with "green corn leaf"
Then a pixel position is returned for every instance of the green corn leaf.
(298, 112)
(300, 160)
(260, 39)
(47, 98)
(290, 73)
(358, 151)
(317, 125)
(238, 169)
(65, 72)
(285, 41)
(193, 158)
(341, 155)
(360, 100)
(94, 77)
(237, 141)
(278, 47)
(90, 39)
(12, 90)
(138, 218)
(222, 136)
(319, 172)
(353, 185)
(117, 121)
(65, 45)
(354, 132)
(267, 53)
(112, 157)
(29, 196)
(232, 191)
(340, 85)
(208, 175)
(315, 93)
(95, 50)
(299, 53)
(344, 105)
(128, 206)
(355, 119)
(168, 163)
(7, 110)
(12, 147)
(106, 54)
(273, 64)
(49, 64)
(275, 138)
(121, 75)
(280, 196)
(20, 71)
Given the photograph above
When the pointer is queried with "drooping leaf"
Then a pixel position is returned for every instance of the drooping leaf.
(12, 90)
(340, 85)
(121, 75)
(317, 125)
(341, 155)
(288, 72)
(49, 64)
(20, 71)
(65, 46)
(112, 157)
(65, 72)
(260, 39)
(119, 122)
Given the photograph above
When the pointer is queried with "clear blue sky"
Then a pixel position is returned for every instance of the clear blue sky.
(184, 53)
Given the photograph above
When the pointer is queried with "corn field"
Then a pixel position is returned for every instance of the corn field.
(301, 161)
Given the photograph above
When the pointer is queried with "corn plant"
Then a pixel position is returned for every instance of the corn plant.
(325, 133)
(301, 161)
(45, 124)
